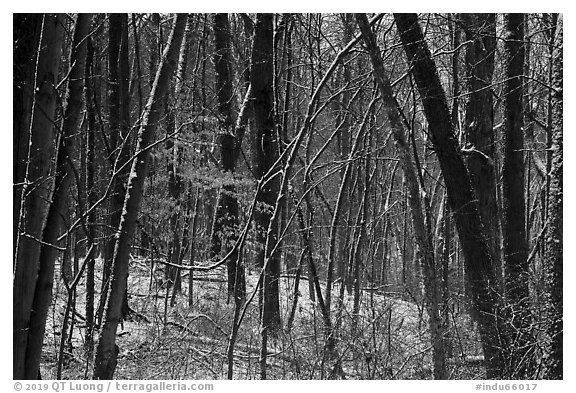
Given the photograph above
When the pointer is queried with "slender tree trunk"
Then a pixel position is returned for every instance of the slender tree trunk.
(119, 119)
(554, 233)
(90, 197)
(193, 251)
(338, 237)
(175, 181)
(107, 350)
(445, 237)
(287, 53)
(34, 156)
(475, 246)
(116, 200)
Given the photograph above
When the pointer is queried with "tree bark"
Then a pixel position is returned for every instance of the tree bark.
(475, 246)
(27, 30)
(554, 233)
(265, 156)
(91, 169)
(515, 247)
(175, 181)
(35, 129)
(107, 350)
(59, 205)
(119, 120)
(479, 122)
(226, 220)
(338, 236)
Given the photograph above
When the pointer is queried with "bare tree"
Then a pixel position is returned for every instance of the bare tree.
(60, 198)
(34, 133)
(481, 162)
(265, 156)
(479, 261)
(554, 233)
(107, 350)
(515, 247)
(119, 119)
(226, 219)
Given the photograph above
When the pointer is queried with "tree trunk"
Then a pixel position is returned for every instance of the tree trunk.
(265, 156)
(59, 205)
(35, 152)
(175, 181)
(107, 350)
(554, 233)
(475, 246)
(90, 197)
(338, 236)
(515, 247)
(479, 123)
(27, 30)
(225, 226)
(119, 119)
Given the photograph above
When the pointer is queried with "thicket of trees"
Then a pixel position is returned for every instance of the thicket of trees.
(357, 158)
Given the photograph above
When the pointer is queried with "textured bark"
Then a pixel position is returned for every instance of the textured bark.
(479, 121)
(338, 233)
(554, 233)
(119, 121)
(513, 228)
(226, 219)
(27, 29)
(107, 351)
(515, 247)
(35, 130)
(59, 205)
(422, 233)
(175, 182)
(265, 155)
(475, 246)
(91, 168)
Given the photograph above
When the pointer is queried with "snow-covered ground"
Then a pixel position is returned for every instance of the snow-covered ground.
(390, 339)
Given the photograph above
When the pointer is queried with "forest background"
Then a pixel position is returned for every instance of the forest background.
(567, 212)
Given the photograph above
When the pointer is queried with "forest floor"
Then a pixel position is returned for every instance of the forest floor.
(388, 340)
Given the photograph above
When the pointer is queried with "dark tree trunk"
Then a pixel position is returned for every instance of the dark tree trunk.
(124, 81)
(34, 133)
(175, 182)
(554, 234)
(107, 350)
(225, 226)
(475, 246)
(27, 29)
(119, 120)
(515, 247)
(265, 156)
(338, 233)
(90, 196)
(479, 122)
(59, 205)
